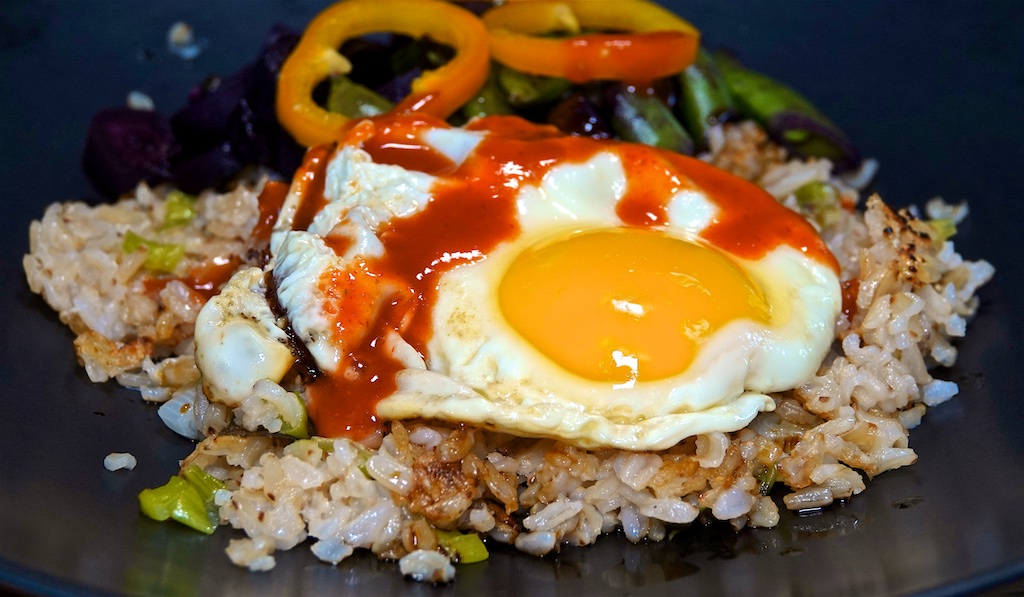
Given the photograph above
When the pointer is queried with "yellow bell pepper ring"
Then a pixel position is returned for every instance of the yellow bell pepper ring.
(657, 43)
(438, 92)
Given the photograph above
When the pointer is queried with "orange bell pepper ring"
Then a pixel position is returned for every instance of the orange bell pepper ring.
(438, 92)
(657, 43)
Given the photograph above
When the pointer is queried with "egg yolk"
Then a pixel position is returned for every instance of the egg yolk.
(625, 305)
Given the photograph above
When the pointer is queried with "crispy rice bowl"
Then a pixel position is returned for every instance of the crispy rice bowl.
(671, 559)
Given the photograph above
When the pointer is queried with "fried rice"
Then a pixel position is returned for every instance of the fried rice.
(907, 296)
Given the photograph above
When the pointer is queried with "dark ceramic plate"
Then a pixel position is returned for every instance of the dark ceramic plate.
(932, 89)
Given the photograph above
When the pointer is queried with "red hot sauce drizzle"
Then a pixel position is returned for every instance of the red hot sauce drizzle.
(308, 183)
(651, 182)
(398, 143)
(750, 222)
(270, 201)
(471, 211)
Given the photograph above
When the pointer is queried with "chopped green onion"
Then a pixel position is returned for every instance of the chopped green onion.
(364, 456)
(133, 242)
(160, 257)
(179, 209)
(354, 100)
(310, 449)
(296, 448)
(206, 483)
(292, 412)
(767, 479)
(467, 546)
(943, 228)
(821, 200)
(179, 500)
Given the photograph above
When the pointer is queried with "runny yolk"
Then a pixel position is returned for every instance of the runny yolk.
(623, 305)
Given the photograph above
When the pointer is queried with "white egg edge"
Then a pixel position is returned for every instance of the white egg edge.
(237, 339)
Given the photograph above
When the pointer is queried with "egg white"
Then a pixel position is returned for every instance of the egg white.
(238, 340)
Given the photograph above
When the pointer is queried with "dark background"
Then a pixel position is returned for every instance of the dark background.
(933, 90)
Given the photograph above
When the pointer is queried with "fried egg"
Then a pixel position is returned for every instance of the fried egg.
(505, 276)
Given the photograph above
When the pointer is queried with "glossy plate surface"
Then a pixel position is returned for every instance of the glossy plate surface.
(933, 90)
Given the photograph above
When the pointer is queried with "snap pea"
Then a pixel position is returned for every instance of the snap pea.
(646, 119)
(762, 98)
(704, 98)
(788, 116)
(489, 100)
(354, 100)
(522, 89)
(769, 474)
(206, 483)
